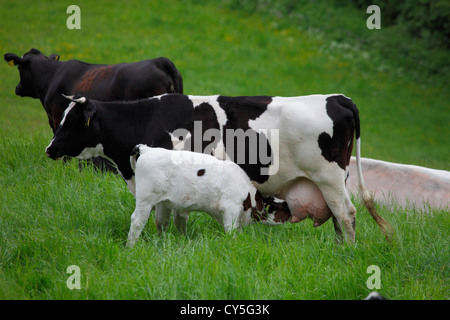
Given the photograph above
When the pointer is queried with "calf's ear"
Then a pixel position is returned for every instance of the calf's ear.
(12, 59)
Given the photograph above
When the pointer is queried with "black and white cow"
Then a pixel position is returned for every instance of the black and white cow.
(279, 142)
(46, 78)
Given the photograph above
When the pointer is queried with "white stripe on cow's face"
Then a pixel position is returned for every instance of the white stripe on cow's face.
(66, 112)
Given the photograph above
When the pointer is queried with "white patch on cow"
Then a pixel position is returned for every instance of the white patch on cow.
(277, 200)
(219, 150)
(300, 121)
(211, 100)
(158, 97)
(66, 112)
(91, 152)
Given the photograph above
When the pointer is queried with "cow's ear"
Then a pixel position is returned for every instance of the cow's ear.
(12, 59)
(89, 113)
(54, 56)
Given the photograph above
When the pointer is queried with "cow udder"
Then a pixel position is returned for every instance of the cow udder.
(306, 201)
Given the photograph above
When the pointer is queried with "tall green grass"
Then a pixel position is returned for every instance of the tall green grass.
(56, 214)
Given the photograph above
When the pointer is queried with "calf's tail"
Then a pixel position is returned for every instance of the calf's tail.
(137, 151)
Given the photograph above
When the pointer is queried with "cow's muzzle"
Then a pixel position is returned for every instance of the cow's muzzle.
(53, 154)
(19, 90)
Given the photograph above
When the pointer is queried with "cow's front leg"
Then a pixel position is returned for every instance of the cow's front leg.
(338, 231)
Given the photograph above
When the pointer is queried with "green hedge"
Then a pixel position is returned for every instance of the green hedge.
(414, 35)
(425, 19)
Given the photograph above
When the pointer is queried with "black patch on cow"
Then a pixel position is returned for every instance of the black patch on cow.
(200, 172)
(205, 113)
(345, 117)
(252, 157)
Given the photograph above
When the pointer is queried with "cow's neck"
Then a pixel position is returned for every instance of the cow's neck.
(48, 71)
(117, 137)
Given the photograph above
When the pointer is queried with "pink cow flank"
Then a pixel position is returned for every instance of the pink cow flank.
(391, 183)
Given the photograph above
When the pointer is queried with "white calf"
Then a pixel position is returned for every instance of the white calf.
(193, 182)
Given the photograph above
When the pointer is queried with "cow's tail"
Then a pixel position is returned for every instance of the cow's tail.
(366, 196)
(177, 81)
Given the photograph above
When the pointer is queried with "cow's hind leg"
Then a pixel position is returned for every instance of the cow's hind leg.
(344, 214)
(337, 198)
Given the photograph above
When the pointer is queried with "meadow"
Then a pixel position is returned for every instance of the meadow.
(54, 215)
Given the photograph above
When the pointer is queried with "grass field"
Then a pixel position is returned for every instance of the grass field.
(54, 215)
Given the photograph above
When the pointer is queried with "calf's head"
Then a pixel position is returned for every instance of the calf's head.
(78, 134)
(33, 67)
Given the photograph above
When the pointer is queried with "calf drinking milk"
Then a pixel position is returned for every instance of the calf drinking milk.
(287, 146)
(196, 181)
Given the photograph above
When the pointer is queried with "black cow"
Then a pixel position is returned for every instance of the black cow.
(279, 142)
(46, 78)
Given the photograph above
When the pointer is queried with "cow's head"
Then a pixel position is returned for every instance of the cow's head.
(33, 68)
(78, 134)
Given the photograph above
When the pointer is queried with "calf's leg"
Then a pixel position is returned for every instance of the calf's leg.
(232, 219)
(162, 217)
(138, 220)
(180, 219)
